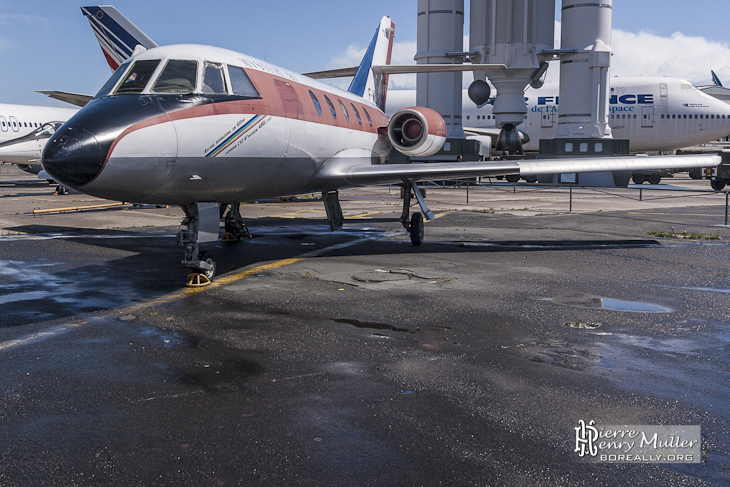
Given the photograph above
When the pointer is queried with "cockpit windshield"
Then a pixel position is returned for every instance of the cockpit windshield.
(138, 77)
(47, 129)
(178, 77)
(112, 82)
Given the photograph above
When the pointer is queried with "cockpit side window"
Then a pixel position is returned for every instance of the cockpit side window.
(241, 84)
(112, 82)
(178, 77)
(213, 81)
(138, 77)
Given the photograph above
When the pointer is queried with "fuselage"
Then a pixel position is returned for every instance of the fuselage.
(186, 123)
(655, 114)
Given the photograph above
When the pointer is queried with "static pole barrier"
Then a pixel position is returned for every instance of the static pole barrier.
(726, 201)
(571, 199)
(467, 194)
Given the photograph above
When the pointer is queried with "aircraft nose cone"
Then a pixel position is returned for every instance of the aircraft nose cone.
(73, 156)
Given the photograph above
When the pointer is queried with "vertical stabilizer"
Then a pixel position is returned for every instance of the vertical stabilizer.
(716, 79)
(371, 85)
(118, 37)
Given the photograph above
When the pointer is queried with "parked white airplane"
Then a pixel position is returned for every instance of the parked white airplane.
(655, 114)
(205, 128)
(24, 131)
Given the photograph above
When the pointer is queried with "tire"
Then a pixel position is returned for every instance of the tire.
(211, 273)
(695, 173)
(654, 178)
(638, 178)
(530, 179)
(415, 229)
(512, 178)
(717, 185)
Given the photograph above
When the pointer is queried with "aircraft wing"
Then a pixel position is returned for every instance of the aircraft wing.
(72, 98)
(348, 171)
(407, 69)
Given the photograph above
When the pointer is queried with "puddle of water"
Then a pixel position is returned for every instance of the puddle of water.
(371, 325)
(617, 305)
(596, 302)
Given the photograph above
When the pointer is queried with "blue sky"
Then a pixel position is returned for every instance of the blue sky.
(48, 44)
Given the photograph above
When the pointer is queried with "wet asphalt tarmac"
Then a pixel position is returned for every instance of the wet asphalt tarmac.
(352, 358)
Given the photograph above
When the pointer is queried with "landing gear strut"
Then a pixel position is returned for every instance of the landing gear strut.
(199, 226)
(334, 210)
(235, 229)
(414, 224)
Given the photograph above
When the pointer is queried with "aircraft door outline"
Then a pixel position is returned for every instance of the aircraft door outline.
(648, 117)
(4, 125)
(547, 120)
(14, 123)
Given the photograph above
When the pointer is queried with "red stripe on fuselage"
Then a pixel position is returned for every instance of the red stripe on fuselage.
(271, 104)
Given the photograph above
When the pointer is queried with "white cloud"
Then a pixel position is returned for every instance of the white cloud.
(680, 56)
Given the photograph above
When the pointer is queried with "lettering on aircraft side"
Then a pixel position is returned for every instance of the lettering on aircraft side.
(614, 100)
(267, 68)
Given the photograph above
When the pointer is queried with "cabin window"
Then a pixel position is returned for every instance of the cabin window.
(241, 84)
(357, 114)
(213, 81)
(468, 117)
(316, 103)
(370, 120)
(178, 77)
(138, 77)
(332, 107)
(344, 110)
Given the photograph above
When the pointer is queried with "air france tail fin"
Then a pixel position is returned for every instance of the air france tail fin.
(368, 83)
(715, 79)
(118, 37)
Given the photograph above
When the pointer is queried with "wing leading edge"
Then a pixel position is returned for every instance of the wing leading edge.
(343, 172)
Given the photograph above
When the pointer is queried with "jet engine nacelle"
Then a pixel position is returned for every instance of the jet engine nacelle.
(417, 131)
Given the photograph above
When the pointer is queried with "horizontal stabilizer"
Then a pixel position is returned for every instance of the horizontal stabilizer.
(408, 69)
(72, 98)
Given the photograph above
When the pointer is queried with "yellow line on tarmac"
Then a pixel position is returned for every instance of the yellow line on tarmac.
(222, 281)
(439, 215)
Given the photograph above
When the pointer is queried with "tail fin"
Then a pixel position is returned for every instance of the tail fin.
(367, 83)
(715, 79)
(118, 37)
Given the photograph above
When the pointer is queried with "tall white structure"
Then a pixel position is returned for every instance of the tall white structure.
(441, 41)
(516, 33)
(584, 69)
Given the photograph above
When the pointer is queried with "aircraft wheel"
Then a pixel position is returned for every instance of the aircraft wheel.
(211, 273)
(233, 229)
(654, 178)
(717, 185)
(416, 229)
(61, 190)
(638, 178)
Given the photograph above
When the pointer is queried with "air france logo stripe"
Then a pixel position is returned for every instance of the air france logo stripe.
(245, 128)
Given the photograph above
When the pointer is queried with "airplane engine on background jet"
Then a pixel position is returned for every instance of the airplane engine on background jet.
(417, 131)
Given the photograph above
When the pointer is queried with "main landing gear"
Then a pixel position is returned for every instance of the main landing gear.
(235, 229)
(414, 224)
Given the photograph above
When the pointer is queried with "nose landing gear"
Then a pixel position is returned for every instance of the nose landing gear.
(199, 226)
